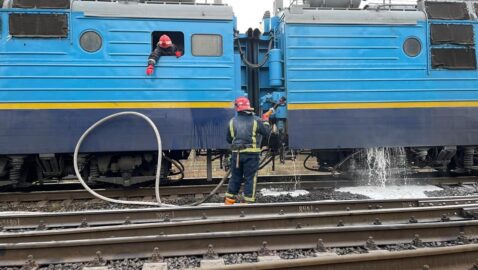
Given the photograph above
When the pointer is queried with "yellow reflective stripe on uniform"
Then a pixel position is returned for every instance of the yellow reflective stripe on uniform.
(254, 184)
(254, 188)
(247, 199)
(229, 195)
(254, 133)
(248, 150)
(231, 128)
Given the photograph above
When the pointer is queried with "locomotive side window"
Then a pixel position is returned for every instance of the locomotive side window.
(53, 4)
(38, 25)
(447, 11)
(457, 34)
(91, 41)
(412, 47)
(207, 45)
(454, 58)
(453, 46)
(176, 37)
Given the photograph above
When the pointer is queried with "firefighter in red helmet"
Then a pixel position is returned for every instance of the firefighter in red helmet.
(245, 133)
(165, 47)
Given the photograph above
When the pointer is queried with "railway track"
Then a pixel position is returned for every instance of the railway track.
(19, 221)
(244, 228)
(245, 223)
(306, 182)
(73, 237)
(232, 242)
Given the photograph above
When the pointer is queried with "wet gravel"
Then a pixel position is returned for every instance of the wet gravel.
(292, 254)
(65, 206)
(315, 195)
(126, 264)
(454, 191)
(349, 250)
(82, 205)
(238, 258)
(437, 244)
(176, 263)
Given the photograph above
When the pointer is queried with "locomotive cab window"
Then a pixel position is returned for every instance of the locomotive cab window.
(177, 39)
(207, 45)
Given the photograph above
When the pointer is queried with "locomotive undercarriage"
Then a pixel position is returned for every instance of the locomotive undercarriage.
(127, 169)
(452, 160)
(124, 169)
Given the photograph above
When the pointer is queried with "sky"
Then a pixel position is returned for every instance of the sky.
(249, 12)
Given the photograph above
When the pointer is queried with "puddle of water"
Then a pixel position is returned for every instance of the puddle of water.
(277, 192)
(391, 192)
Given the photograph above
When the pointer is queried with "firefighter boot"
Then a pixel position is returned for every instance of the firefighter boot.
(229, 201)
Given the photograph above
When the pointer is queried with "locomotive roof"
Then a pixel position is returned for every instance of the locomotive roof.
(154, 10)
(319, 16)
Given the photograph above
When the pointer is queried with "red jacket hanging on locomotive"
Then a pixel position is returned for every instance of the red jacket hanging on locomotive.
(165, 47)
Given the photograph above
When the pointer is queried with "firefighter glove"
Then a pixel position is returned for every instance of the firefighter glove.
(266, 116)
(150, 70)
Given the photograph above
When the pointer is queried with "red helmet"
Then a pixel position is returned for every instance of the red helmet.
(165, 42)
(242, 104)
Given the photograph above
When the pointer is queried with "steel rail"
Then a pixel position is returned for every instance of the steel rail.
(463, 257)
(263, 222)
(201, 189)
(149, 215)
(229, 242)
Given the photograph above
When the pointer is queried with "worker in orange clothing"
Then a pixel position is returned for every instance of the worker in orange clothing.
(165, 47)
(245, 133)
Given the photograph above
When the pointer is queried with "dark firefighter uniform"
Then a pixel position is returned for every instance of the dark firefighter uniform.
(165, 47)
(245, 133)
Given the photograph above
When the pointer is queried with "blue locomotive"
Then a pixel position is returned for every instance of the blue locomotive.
(353, 78)
(386, 76)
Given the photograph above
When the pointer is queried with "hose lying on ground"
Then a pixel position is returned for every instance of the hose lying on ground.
(213, 192)
(158, 167)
